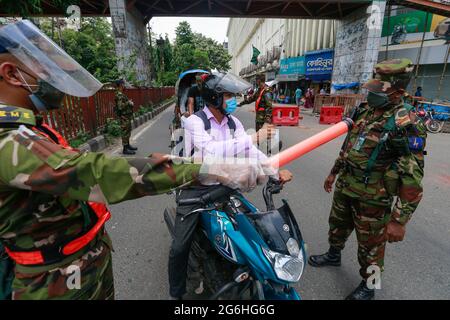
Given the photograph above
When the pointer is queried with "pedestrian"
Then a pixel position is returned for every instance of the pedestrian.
(418, 92)
(383, 137)
(53, 198)
(309, 98)
(123, 109)
(274, 93)
(298, 96)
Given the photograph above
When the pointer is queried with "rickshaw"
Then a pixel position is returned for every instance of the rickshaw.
(184, 82)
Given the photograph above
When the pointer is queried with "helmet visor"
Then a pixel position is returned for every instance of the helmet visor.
(47, 60)
(228, 82)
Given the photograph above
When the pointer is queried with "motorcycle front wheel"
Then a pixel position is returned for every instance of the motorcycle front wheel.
(434, 126)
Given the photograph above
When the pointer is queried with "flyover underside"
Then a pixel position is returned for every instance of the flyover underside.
(305, 9)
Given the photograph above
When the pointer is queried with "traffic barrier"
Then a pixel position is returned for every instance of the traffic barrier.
(331, 114)
(285, 115)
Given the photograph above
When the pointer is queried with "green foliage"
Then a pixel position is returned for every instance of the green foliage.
(190, 51)
(81, 138)
(92, 46)
(219, 58)
(145, 109)
(112, 128)
(27, 7)
(184, 34)
(167, 78)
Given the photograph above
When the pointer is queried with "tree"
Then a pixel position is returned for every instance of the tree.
(27, 7)
(92, 46)
(194, 50)
(184, 34)
(218, 56)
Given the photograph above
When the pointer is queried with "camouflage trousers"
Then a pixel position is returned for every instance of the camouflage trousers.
(260, 119)
(368, 221)
(88, 277)
(125, 126)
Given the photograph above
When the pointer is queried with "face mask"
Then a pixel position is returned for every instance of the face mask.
(377, 100)
(231, 105)
(46, 97)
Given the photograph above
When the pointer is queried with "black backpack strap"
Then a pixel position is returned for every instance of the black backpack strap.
(231, 123)
(202, 115)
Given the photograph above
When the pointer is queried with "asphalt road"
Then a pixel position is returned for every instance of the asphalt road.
(417, 268)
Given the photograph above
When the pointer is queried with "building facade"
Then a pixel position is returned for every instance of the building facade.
(285, 46)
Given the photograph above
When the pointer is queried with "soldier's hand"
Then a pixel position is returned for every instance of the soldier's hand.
(395, 232)
(329, 181)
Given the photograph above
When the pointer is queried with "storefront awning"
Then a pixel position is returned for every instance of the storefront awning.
(345, 85)
(289, 77)
(319, 77)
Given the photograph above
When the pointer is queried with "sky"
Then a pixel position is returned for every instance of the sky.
(215, 28)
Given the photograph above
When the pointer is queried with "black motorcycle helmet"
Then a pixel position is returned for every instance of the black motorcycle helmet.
(217, 83)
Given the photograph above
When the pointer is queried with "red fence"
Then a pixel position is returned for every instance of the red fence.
(91, 114)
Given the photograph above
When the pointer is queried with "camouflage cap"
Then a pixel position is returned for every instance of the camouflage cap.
(394, 73)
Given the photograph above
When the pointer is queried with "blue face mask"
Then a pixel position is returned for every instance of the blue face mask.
(231, 105)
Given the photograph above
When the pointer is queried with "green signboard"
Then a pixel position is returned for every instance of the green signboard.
(411, 22)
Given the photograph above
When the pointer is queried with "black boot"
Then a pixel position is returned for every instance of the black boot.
(127, 151)
(130, 147)
(362, 293)
(331, 258)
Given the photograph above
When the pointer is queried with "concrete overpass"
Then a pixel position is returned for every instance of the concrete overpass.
(357, 42)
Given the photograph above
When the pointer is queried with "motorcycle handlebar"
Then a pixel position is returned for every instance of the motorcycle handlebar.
(209, 197)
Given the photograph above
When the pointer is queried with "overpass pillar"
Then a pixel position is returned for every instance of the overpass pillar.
(131, 41)
(357, 43)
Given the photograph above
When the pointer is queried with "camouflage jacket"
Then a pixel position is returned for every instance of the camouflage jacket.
(44, 187)
(397, 153)
(392, 176)
(265, 103)
(123, 105)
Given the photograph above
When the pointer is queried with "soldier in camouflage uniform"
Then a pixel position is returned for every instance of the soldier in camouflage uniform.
(382, 157)
(263, 109)
(124, 112)
(263, 103)
(52, 197)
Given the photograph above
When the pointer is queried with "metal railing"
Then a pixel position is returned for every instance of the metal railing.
(90, 115)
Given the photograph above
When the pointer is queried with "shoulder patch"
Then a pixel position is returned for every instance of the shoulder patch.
(402, 118)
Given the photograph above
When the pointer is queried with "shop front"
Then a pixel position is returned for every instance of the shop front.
(290, 77)
(318, 69)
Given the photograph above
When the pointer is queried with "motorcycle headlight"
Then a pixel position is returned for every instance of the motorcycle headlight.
(287, 268)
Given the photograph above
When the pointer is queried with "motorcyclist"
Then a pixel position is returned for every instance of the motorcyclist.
(213, 134)
(52, 198)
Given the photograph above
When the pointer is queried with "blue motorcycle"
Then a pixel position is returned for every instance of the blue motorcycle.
(240, 252)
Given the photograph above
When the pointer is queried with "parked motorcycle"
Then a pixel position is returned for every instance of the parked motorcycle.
(240, 252)
(433, 125)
